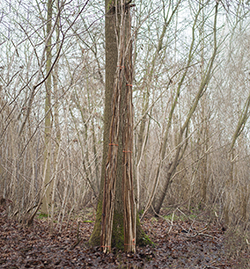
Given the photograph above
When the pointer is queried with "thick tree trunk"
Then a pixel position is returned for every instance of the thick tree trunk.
(117, 239)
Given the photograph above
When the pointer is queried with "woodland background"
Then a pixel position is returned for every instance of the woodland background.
(191, 100)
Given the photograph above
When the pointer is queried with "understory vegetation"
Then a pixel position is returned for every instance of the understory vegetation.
(191, 144)
(187, 242)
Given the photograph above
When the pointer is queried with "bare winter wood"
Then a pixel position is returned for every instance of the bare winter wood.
(123, 79)
(129, 202)
(111, 165)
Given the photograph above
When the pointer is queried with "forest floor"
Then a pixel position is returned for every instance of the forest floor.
(179, 243)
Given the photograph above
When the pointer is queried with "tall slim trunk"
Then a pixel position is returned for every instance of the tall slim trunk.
(47, 132)
(202, 88)
(146, 95)
(57, 128)
(204, 125)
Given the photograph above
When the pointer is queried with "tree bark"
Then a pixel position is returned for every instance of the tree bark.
(117, 238)
(48, 85)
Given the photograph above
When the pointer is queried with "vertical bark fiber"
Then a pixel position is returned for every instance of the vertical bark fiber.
(128, 192)
(109, 226)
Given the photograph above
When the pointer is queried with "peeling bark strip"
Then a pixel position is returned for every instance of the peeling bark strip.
(111, 165)
(123, 81)
(129, 202)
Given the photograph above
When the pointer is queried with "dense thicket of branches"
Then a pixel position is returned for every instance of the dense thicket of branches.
(191, 103)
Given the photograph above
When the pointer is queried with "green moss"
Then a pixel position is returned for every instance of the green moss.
(141, 238)
(42, 215)
(118, 231)
(88, 221)
(95, 238)
(110, 4)
(141, 212)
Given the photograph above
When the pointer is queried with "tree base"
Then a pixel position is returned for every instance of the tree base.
(118, 234)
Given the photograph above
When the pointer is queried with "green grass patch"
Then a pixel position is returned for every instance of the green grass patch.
(180, 217)
(153, 219)
(42, 215)
(88, 221)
